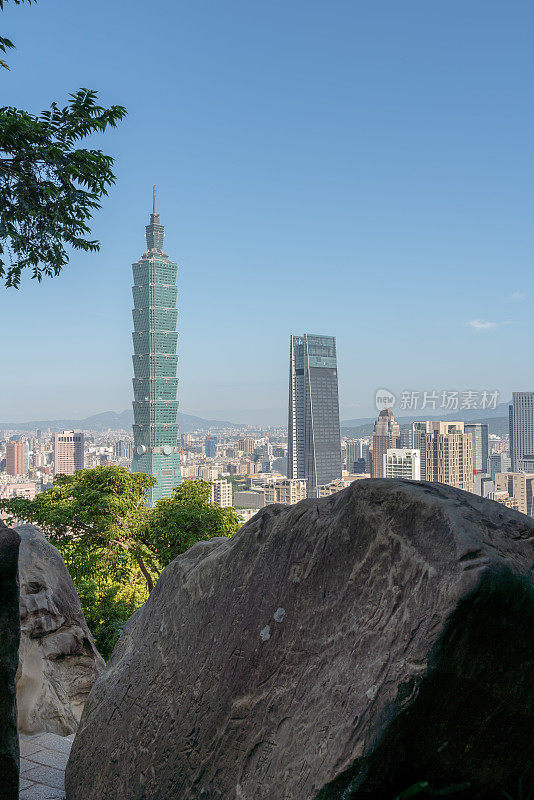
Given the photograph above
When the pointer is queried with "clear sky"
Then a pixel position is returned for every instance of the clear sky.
(357, 169)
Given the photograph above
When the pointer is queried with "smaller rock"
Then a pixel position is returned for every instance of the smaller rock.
(58, 661)
(265, 633)
(9, 644)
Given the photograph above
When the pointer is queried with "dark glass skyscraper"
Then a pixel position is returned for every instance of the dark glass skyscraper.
(155, 362)
(314, 442)
(521, 428)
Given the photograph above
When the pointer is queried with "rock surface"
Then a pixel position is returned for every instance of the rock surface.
(341, 648)
(58, 661)
(9, 643)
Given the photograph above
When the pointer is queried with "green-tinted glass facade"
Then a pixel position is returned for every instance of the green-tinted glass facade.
(155, 362)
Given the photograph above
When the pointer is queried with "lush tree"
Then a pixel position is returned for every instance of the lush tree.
(188, 516)
(50, 187)
(96, 519)
(113, 545)
(108, 604)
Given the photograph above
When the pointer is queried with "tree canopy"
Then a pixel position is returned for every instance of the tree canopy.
(113, 545)
(50, 187)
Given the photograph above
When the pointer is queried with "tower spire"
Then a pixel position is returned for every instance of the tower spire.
(154, 230)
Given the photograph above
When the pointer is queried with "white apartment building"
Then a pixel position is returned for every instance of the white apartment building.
(221, 493)
(401, 462)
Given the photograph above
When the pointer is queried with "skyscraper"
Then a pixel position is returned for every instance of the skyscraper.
(419, 432)
(155, 384)
(521, 421)
(210, 446)
(386, 435)
(499, 462)
(68, 452)
(479, 434)
(15, 458)
(314, 441)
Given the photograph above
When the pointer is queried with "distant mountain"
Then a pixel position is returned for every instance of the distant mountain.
(114, 421)
(496, 424)
(466, 415)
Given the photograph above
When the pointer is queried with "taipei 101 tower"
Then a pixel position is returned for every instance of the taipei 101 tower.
(155, 384)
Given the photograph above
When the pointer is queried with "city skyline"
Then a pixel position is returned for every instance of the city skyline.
(393, 177)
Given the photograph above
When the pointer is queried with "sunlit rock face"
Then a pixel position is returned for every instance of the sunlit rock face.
(58, 662)
(340, 649)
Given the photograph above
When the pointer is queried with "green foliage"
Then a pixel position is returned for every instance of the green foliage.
(113, 545)
(107, 606)
(49, 187)
(7, 44)
(95, 518)
(188, 516)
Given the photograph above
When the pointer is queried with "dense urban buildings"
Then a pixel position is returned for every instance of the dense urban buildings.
(521, 424)
(314, 442)
(517, 488)
(68, 452)
(386, 435)
(155, 383)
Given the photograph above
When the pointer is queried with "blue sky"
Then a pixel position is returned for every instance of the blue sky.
(357, 169)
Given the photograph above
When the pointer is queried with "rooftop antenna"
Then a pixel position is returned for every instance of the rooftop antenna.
(154, 200)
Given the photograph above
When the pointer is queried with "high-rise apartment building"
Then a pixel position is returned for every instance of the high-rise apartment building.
(419, 432)
(483, 484)
(221, 493)
(155, 383)
(16, 458)
(68, 452)
(521, 426)
(210, 446)
(357, 450)
(314, 441)
(499, 462)
(526, 464)
(449, 455)
(480, 436)
(386, 435)
(246, 444)
(287, 491)
(122, 449)
(406, 439)
(402, 462)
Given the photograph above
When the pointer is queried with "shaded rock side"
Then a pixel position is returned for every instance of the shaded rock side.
(341, 648)
(9, 645)
(58, 661)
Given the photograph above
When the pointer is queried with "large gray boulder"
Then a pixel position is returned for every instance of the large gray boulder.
(341, 648)
(9, 644)
(58, 661)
